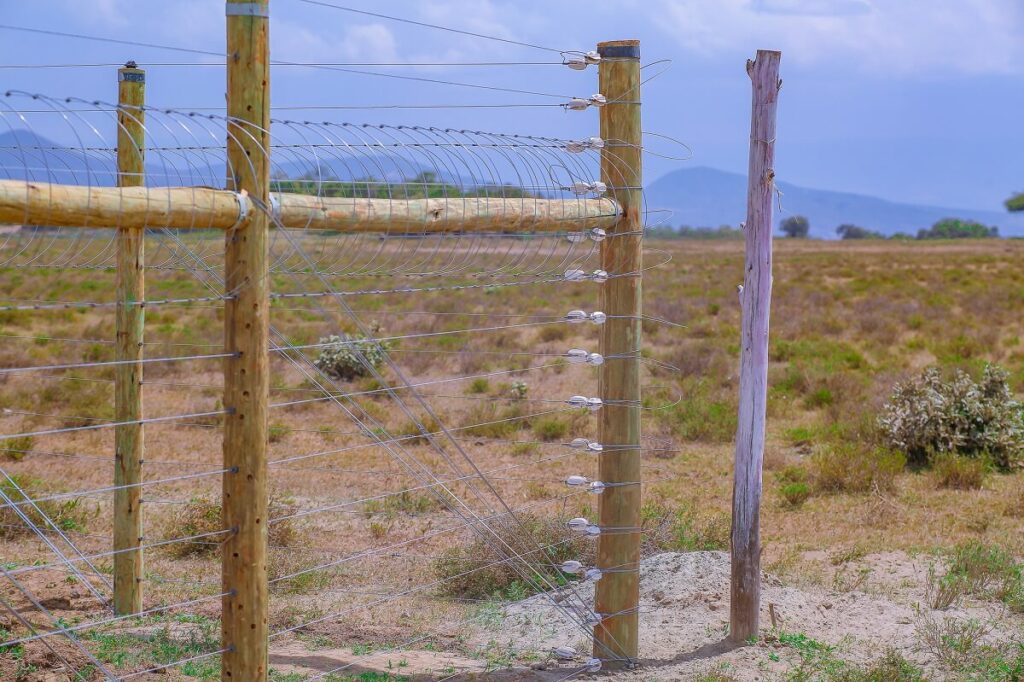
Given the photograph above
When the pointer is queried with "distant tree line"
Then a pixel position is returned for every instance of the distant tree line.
(425, 185)
(687, 232)
(799, 227)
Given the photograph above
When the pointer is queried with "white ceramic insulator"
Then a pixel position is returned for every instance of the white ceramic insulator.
(565, 653)
(575, 275)
(593, 574)
(598, 317)
(598, 234)
(579, 523)
(592, 530)
(598, 100)
(592, 57)
(577, 104)
(571, 566)
(595, 359)
(594, 404)
(577, 356)
(576, 237)
(577, 316)
(577, 480)
(593, 665)
(580, 444)
(576, 63)
(596, 487)
(578, 401)
(599, 276)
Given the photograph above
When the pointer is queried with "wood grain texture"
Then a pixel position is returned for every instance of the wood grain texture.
(129, 324)
(745, 588)
(246, 377)
(40, 203)
(617, 637)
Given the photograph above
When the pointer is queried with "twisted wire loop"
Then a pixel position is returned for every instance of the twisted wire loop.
(389, 502)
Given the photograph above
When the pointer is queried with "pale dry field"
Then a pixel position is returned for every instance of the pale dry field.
(849, 320)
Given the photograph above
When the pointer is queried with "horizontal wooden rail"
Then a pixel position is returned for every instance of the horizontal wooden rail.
(40, 203)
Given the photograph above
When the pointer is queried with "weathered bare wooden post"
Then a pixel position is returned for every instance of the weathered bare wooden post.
(755, 299)
(247, 333)
(130, 316)
(621, 254)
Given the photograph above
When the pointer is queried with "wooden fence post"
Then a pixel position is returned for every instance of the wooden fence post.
(246, 333)
(745, 591)
(130, 318)
(621, 254)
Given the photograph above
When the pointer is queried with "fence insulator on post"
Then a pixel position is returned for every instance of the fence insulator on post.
(755, 298)
(129, 325)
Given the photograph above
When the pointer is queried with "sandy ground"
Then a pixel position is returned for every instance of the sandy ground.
(685, 610)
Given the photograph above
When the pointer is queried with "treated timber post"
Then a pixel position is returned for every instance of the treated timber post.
(755, 298)
(615, 639)
(246, 333)
(130, 317)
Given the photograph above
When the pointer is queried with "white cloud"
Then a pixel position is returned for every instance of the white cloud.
(372, 42)
(892, 36)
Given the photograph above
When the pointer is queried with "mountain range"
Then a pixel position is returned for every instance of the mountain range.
(706, 197)
(698, 197)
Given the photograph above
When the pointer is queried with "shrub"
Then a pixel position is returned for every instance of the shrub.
(479, 385)
(958, 472)
(793, 486)
(551, 429)
(474, 571)
(682, 529)
(17, 448)
(928, 415)
(794, 494)
(66, 514)
(341, 359)
(553, 332)
(848, 468)
(201, 516)
(277, 432)
(981, 570)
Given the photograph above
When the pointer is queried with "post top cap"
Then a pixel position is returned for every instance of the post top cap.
(619, 49)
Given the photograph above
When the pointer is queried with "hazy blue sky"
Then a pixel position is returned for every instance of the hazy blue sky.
(911, 100)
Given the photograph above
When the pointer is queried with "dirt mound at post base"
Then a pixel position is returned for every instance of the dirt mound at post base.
(684, 607)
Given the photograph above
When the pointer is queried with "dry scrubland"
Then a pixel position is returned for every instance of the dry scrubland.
(864, 552)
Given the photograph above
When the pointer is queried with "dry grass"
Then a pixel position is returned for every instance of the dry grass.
(848, 322)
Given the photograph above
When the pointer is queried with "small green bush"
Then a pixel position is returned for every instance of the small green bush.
(551, 429)
(981, 570)
(929, 415)
(473, 571)
(17, 448)
(958, 472)
(682, 529)
(553, 332)
(479, 385)
(200, 516)
(340, 359)
(846, 467)
(794, 494)
(67, 514)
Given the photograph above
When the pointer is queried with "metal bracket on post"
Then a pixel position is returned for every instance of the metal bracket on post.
(247, 9)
